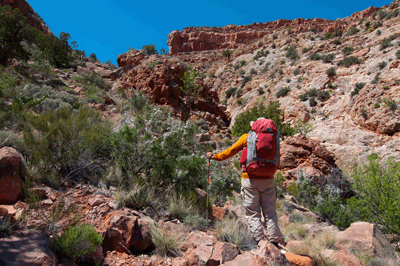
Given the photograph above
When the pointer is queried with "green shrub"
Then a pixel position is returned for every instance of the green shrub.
(303, 97)
(331, 72)
(315, 56)
(260, 91)
(253, 72)
(398, 54)
(245, 80)
(149, 49)
(179, 206)
(66, 143)
(337, 42)
(323, 95)
(242, 122)
(305, 50)
(352, 31)
(292, 53)
(239, 93)
(312, 102)
(385, 43)
(296, 72)
(327, 58)
(93, 56)
(195, 222)
(139, 102)
(382, 65)
(377, 184)
(242, 63)
(312, 92)
(78, 241)
(390, 103)
(283, 92)
(357, 88)
(347, 50)
(230, 92)
(273, 46)
(95, 99)
(349, 61)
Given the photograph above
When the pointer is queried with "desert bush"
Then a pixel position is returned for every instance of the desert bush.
(323, 95)
(377, 184)
(149, 49)
(303, 97)
(382, 65)
(347, 50)
(179, 206)
(245, 80)
(260, 90)
(5, 225)
(331, 72)
(315, 56)
(398, 54)
(170, 159)
(358, 87)
(224, 181)
(239, 93)
(139, 196)
(233, 231)
(230, 92)
(139, 102)
(349, 61)
(305, 50)
(66, 143)
(390, 103)
(283, 92)
(352, 31)
(242, 122)
(166, 244)
(91, 78)
(385, 43)
(292, 54)
(296, 72)
(327, 58)
(77, 241)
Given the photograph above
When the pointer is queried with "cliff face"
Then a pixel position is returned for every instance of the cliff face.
(28, 12)
(231, 36)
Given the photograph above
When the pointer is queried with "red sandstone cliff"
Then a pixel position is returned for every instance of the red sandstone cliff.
(231, 36)
(28, 11)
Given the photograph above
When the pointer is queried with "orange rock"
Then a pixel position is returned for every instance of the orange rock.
(218, 212)
(297, 260)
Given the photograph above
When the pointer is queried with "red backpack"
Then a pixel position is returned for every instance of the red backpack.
(262, 155)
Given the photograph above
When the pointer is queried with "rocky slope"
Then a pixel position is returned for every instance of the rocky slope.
(349, 121)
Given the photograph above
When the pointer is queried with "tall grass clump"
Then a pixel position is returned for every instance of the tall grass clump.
(166, 243)
(233, 231)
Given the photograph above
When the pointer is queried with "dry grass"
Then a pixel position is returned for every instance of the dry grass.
(233, 231)
(166, 244)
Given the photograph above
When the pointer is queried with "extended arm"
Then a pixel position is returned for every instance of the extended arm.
(237, 147)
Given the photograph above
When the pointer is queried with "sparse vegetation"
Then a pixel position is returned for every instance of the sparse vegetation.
(349, 61)
(233, 231)
(166, 243)
(382, 65)
(347, 50)
(283, 92)
(357, 88)
(331, 72)
(292, 54)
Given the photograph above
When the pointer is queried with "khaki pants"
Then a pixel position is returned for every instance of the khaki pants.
(260, 194)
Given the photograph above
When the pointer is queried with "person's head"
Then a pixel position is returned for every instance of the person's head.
(251, 122)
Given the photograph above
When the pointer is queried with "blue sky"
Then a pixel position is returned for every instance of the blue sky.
(109, 27)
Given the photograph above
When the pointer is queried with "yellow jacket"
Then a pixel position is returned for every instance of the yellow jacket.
(237, 147)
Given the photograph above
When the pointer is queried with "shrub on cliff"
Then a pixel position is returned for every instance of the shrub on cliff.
(149, 49)
(242, 121)
(349, 61)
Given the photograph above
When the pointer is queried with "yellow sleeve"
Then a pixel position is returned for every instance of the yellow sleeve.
(237, 147)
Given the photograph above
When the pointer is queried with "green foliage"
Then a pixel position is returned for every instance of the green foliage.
(327, 58)
(260, 91)
(377, 184)
(139, 102)
(239, 93)
(66, 143)
(315, 56)
(230, 92)
(352, 31)
(303, 128)
(195, 222)
(149, 49)
(296, 72)
(227, 54)
(138, 196)
(390, 103)
(357, 88)
(331, 72)
(245, 80)
(349, 61)
(312, 102)
(398, 54)
(347, 50)
(303, 97)
(242, 122)
(382, 65)
(364, 113)
(283, 92)
(190, 88)
(305, 50)
(14, 30)
(242, 63)
(292, 54)
(261, 53)
(78, 241)
(253, 72)
(93, 56)
(56, 50)
(169, 160)
(385, 43)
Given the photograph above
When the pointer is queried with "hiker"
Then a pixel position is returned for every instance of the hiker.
(258, 187)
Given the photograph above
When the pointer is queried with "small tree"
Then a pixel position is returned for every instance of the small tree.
(150, 49)
(93, 56)
(227, 54)
(14, 30)
(190, 91)
(163, 52)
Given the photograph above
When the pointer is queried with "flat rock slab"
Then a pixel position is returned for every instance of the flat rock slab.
(28, 247)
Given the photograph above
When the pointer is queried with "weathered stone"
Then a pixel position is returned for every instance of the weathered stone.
(268, 254)
(366, 238)
(223, 252)
(218, 212)
(10, 190)
(341, 257)
(96, 201)
(297, 260)
(28, 247)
